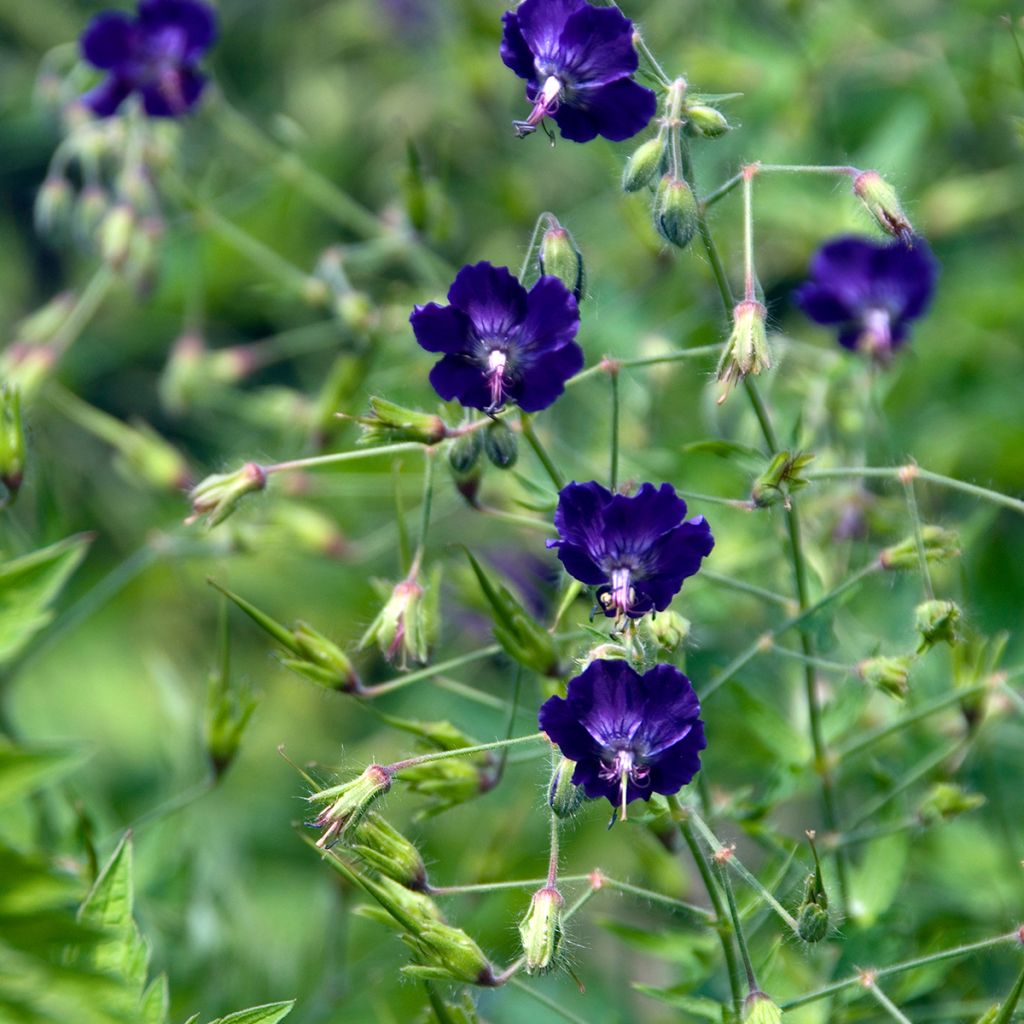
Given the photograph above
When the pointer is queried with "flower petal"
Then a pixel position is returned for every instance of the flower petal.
(579, 564)
(456, 377)
(671, 708)
(907, 275)
(609, 701)
(616, 111)
(596, 47)
(821, 304)
(175, 94)
(580, 515)
(542, 381)
(562, 725)
(635, 524)
(542, 22)
(108, 39)
(442, 328)
(515, 53)
(197, 21)
(552, 318)
(104, 99)
(679, 763)
(491, 297)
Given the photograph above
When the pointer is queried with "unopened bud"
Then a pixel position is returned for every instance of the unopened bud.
(464, 452)
(940, 545)
(400, 628)
(53, 205)
(889, 675)
(675, 211)
(448, 954)
(946, 801)
(388, 422)
(564, 796)
(541, 930)
(388, 852)
(218, 495)
(321, 660)
(812, 919)
(501, 445)
(669, 630)
(937, 622)
(348, 803)
(26, 366)
(115, 234)
(12, 442)
(642, 165)
(90, 211)
(355, 311)
(760, 1009)
(560, 257)
(781, 478)
(882, 202)
(450, 782)
(746, 351)
(705, 122)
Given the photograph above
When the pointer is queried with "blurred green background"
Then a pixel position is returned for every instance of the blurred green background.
(238, 910)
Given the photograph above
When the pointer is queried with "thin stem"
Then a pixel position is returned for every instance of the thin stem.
(741, 942)
(379, 689)
(547, 1001)
(822, 663)
(722, 191)
(645, 51)
(84, 309)
(317, 461)
(614, 459)
(549, 467)
(606, 365)
(443, 755)
(867, 835)
(541, 525)
(748, 233)
(907, 965)
(553, 853)
(544, 219)
(743, 587)
(808, 169)
(885, 1002)
(915, 519)
(425, 507)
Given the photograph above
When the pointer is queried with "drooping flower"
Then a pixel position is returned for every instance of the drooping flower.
(870, 290)
(499, 342)
(577, 60)
(630, 735)
(636, 550)
(154, 54)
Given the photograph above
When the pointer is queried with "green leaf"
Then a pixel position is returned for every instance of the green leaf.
(769, 729)
(22, 771)
(875, 882)
(270, 1013)
(29, 585)
(154, 1004)
(746, 455)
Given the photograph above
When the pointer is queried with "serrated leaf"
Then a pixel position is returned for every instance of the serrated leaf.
(269, 1013)
(23, 771)
(29, 585)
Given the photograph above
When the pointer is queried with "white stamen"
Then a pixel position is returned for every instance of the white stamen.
(622, 593)
(496, 362)
(877, 336)
(552, 87)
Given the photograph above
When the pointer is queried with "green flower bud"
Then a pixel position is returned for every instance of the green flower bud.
(746, 351)
(400, 628)
(445, 953)
(115, 234)
(889, 675)
(25, 366)
(946, 801)
(937, 622)
(560, 257)
(90, 212)
(355, 310)
(464, 453)
(668, 629)
(812, 919)
(388, 852)
(501, 445)
(448, 783)
(12, 442)
(348, 803)
(218, 495)
(705, 122)
(781, 479)
(53, 205)
(228, 710)
(642, 165)
(940, 545)
(398, 903)
(321, 660)
(564, 797)
(760, 1009)
(881, 201)
(541, 930)
(675, 211)
(388, 422)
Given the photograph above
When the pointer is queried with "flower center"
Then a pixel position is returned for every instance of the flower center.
(496, 363)
(876, 338)
(621, 594)
(545, 104)
(624, 769)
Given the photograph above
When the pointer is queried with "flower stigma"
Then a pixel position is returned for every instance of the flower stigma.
(545, 104)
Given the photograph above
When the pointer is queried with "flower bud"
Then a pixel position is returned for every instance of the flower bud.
(321, 660)
(388, 852)
(399, 629)
(464, 453)
(228, 710)
(217, 496)
(564, 797)
(642, 165)
(560, 257)
(889, 675)
(90, 211)
(26, 366)
(946, 801)
(12, 443)
(760, 1009)
(940, 545)
(881, 201)
(53, 205)
(937, 621)
(448, 783)
(541, 930)
(448, 954)
(746, 351)
(812, 919)
(348, 803)
(781, 479)
(116, 231)
(705, 122)
(501, 445)
(668, 629)
(675, 211)
(388, 422)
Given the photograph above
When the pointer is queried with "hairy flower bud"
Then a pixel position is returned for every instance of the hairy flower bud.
(541, 930)
(464, 453)
(675, 211)
(564, 797)
(560, 257)
(760, 1009)
(501, 445)
(889, 675)
(388, 422)
(669, 630)
(218, 495)
(12, 443)
(946, 801)
(940, 545)
(400, 628)
(705, 122)
(812, 919)
(348, 803)
(781, 479)
(643, 164)
(746, 351)
(388, 852)
(881, 201)
(937, 622)
(321, 660)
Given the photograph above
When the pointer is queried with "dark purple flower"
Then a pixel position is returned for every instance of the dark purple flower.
(630, 735)
(636, 550)
(153, 54)
(499, 342)
(869, 290)
(577, 61)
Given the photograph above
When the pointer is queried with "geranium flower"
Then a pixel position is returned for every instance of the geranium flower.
(577, 61)
(500, 342)
(630, 735)
(636, 550)
(870, 290)
(154, 54)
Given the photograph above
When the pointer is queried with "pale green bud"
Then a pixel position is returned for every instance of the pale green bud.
(541, 930)
(388, 422)
(564, 796)
(940, 545)
(890, 675)
(321, 660)
(388, 852)
(705, 122)
(675, 211)
(26, 366)
(746, 352)
(447, 783)
(116, 231)
(945, 801)
(560, 257)
(42, 324)
(642, 165)
(937, 622)
(90, 211)
(668, 629)
(501, 445)
(218, 495)
(881, 201)
(447, 953)
(53, 205)
(400, 628)
(348, 803)
(781, 478)
(760, 1009)
(12, 442)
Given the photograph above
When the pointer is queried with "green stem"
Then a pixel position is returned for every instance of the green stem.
(428, 500)
(737, 927)
(401, 682)
(886, 1003)
(84, 309)
(549, 467)
(547, 1001)
(1010, 1003)
(317, 461)
(443, 755)
(544, 219)
(822, 663)
(748, 235)
(915, 519)
(605, 366)
(743, 587)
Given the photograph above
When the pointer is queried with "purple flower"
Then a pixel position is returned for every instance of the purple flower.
(154, 54)
(636, 550)
(499, 342)
(630, 735)
(577, 61)
(869, 290)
